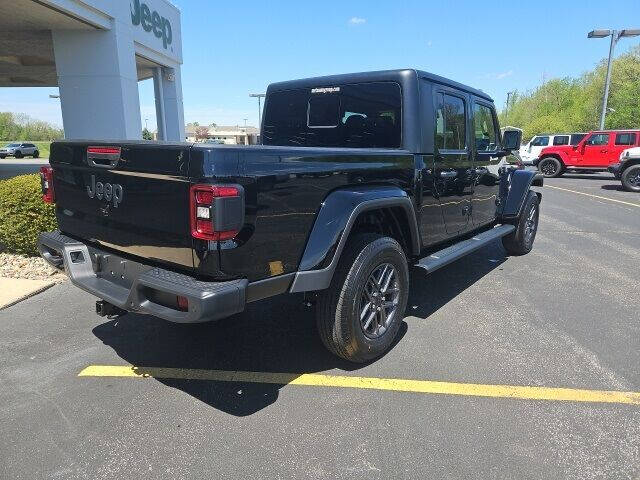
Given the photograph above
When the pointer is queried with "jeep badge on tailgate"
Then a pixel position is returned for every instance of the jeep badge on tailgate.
(107, 191)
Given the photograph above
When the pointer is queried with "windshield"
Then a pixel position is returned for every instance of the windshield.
(13, 145)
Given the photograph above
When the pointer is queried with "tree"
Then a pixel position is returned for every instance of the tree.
(18, 126)
(573, 104)
(202, 133)
(146, 134)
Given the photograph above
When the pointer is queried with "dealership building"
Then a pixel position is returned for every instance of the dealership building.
(96, 52)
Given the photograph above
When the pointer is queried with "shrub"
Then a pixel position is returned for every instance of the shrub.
(23, 214)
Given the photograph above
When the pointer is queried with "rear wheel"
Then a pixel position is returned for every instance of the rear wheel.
(550, 167)
(36, 154)
(631, 178)
(18, 154)
(520, 241)
(359, 315)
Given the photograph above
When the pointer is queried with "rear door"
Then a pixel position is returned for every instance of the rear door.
(621, 142)
(135, 201)
(453, 166)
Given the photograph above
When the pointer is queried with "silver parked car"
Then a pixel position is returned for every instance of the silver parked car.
(19, 150)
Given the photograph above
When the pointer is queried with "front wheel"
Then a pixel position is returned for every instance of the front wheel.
(520, 241)
(550, 167)
(631, 178)
(36, 154)
(359, 315)
(18, 154)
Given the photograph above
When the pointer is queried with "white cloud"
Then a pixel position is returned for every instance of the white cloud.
(357, 21)
(499, 76)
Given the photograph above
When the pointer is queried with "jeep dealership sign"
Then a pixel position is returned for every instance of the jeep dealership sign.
(141, 14)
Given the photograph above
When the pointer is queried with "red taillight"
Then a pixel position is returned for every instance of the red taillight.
(104, 150)
(202, 198)
(46, 182)
(183, 303)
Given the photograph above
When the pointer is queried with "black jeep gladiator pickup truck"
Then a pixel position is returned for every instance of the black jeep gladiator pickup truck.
(358, 178)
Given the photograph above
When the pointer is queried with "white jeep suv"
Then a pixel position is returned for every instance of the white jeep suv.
(530, 152)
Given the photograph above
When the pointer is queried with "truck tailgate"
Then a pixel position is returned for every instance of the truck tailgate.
(136, 202)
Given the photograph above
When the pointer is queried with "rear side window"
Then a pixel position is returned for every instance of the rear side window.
(598, 139)
(540, 141)
(366, 115)
(561, 140)
(484, 128)
(576, 138)
(625, 139)
(450, 123)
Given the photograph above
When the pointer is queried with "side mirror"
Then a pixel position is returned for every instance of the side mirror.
(511, 139)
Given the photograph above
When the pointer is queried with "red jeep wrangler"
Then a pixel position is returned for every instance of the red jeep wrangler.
(595, 152)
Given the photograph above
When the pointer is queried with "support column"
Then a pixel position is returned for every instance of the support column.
(168, 92)
(98, 83)
(159, 97)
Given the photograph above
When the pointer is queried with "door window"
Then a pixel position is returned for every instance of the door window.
(450, 123)
(540, 142)
(625, 139)
(484, 127)
(576, 138)
(561, 140)
(598, 139)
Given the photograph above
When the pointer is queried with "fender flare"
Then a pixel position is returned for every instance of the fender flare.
(332, 226)
(520, 183)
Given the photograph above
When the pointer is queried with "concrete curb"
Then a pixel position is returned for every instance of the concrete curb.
(24, 291)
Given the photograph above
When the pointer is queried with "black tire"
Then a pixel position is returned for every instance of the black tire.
(631, 178)
(3, 156)
(520, 241)
(18, 154)
(550, 167)
(36, 154)
(339, 307)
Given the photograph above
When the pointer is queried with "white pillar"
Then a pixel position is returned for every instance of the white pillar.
(159, 97)
(98, 83)
(168, 88)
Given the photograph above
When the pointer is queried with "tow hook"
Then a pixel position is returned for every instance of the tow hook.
(105, 309)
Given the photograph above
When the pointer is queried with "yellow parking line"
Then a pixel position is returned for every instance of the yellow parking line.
(594, 196)
(371, 383)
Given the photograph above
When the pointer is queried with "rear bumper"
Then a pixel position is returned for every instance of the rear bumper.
(137, 287)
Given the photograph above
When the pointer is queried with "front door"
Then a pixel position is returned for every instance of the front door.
(453, 171)
(486, 159)
(596, 150)
(536, 145)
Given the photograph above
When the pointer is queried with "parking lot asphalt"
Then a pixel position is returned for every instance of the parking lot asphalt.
(566, 315)
(12, 167)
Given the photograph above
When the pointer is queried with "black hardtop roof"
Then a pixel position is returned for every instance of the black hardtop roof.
(399, 76)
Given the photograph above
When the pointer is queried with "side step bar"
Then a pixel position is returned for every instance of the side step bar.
(447, 255)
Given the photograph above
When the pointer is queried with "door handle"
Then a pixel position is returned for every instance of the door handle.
(604, 150)
(449, 174)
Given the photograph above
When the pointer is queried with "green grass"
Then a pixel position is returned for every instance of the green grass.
(43, 147)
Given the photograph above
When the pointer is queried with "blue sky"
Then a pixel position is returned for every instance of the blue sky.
(231, 49)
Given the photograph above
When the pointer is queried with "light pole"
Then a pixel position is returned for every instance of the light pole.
(258, 96)
(615, 36)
